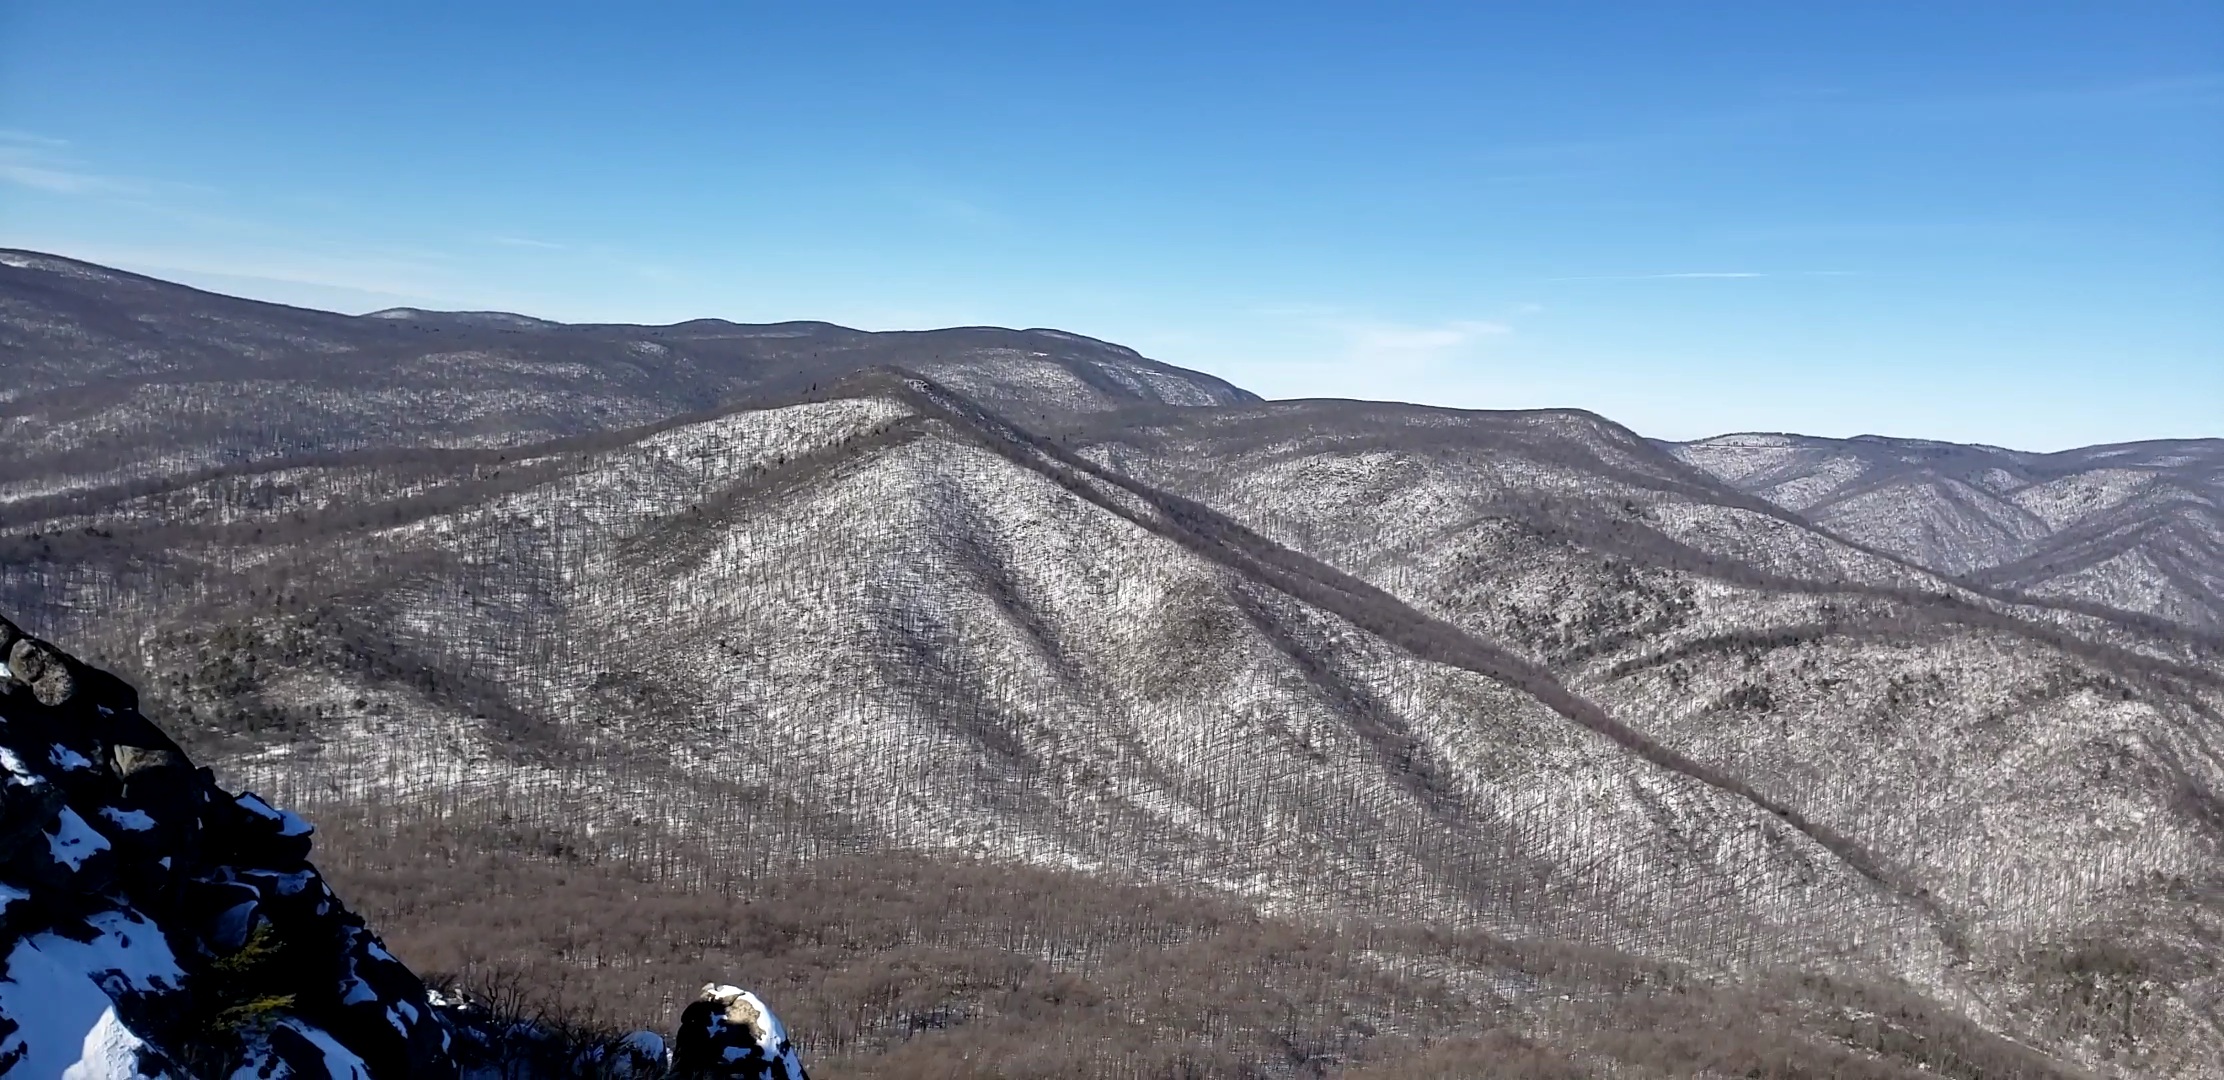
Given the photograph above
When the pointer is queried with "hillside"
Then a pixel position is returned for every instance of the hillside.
(959, 701)
(2136, 527)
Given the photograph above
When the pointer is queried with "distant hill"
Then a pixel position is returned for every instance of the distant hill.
(2138, 527)
(108, 377)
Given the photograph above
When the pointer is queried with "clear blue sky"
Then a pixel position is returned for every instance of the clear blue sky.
(2000, 222)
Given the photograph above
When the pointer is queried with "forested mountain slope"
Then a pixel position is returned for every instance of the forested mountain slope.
(108, 377)
(2137, 527)
(1467, 737)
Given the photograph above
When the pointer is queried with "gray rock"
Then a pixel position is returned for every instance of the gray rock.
(29, 658)
(130, 761)
(55, 685)
(728, 1033)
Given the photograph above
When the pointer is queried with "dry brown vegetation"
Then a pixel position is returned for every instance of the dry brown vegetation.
(902, 966)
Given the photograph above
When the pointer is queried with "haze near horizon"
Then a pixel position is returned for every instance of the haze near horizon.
(1988, 224)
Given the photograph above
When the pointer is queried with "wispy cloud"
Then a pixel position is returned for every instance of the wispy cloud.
(2166, 92)
(45, 167)
(349, 272)
(1312, 350)
(1706, 275)
(45, 163)
(1374, 341)
(527, 242)
(1665, 139)
(1366, 337)
(945, 207)
(31, 138)
(62, 181)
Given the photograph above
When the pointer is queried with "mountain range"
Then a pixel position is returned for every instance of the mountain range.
(1511, 735)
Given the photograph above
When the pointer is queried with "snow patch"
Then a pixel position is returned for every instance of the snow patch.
(59, 993)
(132, 820)
(339, 1062)
(111, 1052)
(16, 771)
(289, 823)
(73, 841)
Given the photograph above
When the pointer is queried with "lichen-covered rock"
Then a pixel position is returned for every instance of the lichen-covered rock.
(130, 761)
(29, 659)
(55, 685)
(728, 1033)
(131, 888)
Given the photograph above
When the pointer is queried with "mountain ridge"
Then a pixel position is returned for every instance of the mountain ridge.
(1524, 675)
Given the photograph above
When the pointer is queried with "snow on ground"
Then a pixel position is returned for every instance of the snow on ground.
(73, 840)
(110, 1052)
(2062, 503)
(58, 992)
(1804, 491)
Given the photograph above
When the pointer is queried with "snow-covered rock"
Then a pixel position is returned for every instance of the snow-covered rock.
(731, 1034)
(126, 875)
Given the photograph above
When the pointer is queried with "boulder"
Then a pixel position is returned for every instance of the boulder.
(28, 658)
(55, 686)
(130, 761)
(728, 1033)
(46, 671)
(251, 832)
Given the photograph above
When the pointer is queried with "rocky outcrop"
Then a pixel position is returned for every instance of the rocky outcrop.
(154, 925)
(730, 1034)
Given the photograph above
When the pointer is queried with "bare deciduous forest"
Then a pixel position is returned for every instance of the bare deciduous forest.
(897, 966)
(1028, 708)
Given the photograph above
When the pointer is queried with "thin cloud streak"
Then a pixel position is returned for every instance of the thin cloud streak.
(37, 165)
(935, 204)
(63, 181)
(1707, 275)
(31, 138)
(1380, 340)
(44, 164)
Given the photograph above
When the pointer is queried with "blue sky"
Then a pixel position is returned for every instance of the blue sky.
(1999, 222)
